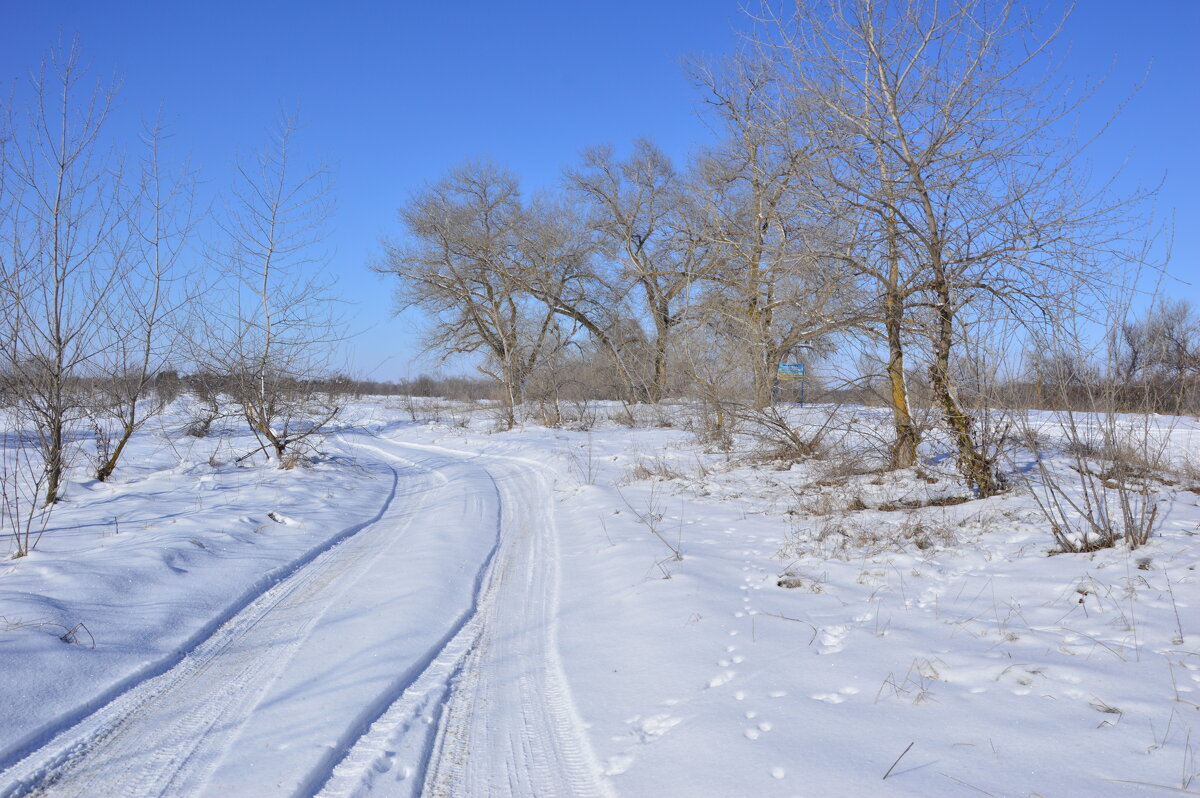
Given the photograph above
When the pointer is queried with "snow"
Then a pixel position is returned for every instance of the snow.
(436, 607)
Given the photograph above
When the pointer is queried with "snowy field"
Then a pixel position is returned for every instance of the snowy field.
(434, 607)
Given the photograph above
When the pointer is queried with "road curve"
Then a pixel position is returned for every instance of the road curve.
(415, 657)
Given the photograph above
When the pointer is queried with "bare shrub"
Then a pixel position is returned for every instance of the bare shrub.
(714, 424)
(206, 407)
(650, 515)
(780, 438)
(582, 462)
(23, 477)
(580, 415)
(1110, 492)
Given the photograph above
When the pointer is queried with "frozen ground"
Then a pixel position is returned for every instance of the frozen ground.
(435, 608)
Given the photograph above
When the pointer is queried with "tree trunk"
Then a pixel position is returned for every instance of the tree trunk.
(972, 464)
(662, 324)
(54, 460)
(106, 469)
(904, 448)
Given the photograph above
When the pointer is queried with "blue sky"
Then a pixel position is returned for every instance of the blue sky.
(394, 94)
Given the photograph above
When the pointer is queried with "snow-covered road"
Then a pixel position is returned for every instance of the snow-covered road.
(414, 655)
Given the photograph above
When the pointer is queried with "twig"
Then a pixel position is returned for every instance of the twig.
(1178, 624)
(797, 620)
(1168, 787)
(966, 784)
(897, 762)
(71, 637)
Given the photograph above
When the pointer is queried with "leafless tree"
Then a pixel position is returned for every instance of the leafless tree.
(639, 209)
(770, 281)
(275, 342)
(64, 207)
(147, 298)
(562, 264)
(1161, 353)
(463, 264)
(944, 128)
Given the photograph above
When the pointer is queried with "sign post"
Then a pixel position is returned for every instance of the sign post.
(788, 372)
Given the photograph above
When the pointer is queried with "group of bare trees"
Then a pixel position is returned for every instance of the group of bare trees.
(102, 290)
(899, 176)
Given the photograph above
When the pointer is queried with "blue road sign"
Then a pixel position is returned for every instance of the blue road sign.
(790, 371)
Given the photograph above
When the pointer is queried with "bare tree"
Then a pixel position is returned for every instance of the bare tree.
(275, 343)
(943, 128)
(771, 280)
(144, 304)
(560, 264)
(463, 265)
(64, 209)
(1161, 352)
(639, 210)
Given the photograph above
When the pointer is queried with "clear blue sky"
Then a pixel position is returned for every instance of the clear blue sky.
(395, 93)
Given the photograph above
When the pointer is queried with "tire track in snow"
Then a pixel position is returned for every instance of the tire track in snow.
(510, 727)
(485, 710)
(41, 737)
(495, 696)
(167, 733)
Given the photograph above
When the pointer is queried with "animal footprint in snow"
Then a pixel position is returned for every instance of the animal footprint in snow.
(829, 698)
(653, 727)
(724, 677)
(832, 638)
(616, 765)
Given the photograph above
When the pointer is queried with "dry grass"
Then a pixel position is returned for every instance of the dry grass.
(846, 537)
(914, 504)
(655, 468)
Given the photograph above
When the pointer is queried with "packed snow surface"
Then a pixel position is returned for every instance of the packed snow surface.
(610, 606)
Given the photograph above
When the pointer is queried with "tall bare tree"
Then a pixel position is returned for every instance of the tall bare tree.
(147, 299)
(944, 129)
(64, 195)
(278, 335)
(562, 264)
(772, 283)
(640, 211)
(463, 264)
